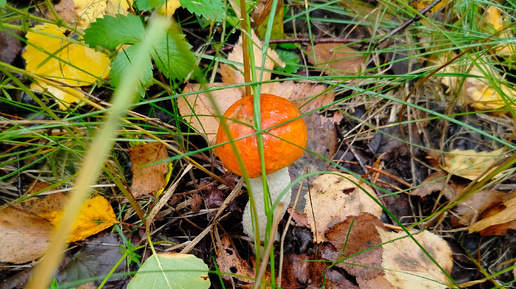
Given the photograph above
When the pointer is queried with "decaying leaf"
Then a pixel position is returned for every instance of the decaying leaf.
(229, 261)
(470, 164)
(148, 179)
(357, 235)
(347, 196)
(407, 266)
(23, 236)
(335, 59)
(59, 60)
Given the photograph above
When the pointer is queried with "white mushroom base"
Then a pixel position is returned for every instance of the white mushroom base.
(277, 182)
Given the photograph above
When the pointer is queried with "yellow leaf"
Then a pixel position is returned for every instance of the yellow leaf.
(60, 60)
(422, 4)
(470, 164)
(89, 10)
(95, 216)
(495, 20)
(170, 8)
(65, 95)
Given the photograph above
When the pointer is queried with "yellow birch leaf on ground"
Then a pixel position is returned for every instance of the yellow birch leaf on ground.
(23, 236)
(470, 164)
(60, 60)
(495, 21)
(95, 216)
(334, 198)
(148, 179)
(407, 266)
(170, 8)
(89, 10)
(422, 4)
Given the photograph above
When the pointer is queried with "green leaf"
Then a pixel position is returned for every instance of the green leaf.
(210, 9)
(174, 60)
(290, 59)
(149, 4)
(168, 270)
(109, 32)
(3, 3)
(123, 61)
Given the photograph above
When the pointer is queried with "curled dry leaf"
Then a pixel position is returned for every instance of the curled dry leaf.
(347, 196)
(506, 214)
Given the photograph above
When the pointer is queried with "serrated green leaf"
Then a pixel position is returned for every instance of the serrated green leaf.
(210, 9)
(168, 270)
(173, 60)
(149, 4)
(123, 61)
(290, 59)
(109, 32)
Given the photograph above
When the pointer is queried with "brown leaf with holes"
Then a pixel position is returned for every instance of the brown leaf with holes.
(347, 196)
(23, 236)
(358, 235)
(229, 261)
(42, 206)
(335, 58)
(147, 178)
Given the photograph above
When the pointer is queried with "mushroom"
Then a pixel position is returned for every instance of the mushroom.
(283, 144)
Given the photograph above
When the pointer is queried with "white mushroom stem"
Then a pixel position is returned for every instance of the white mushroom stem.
(276, 182)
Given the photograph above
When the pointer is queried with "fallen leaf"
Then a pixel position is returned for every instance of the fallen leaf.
(10, 45)
(407, 266)
(171, 270)
(357, 235)
(88, 11)
(148, 179)
(421, 4)
(170, 8)
(59, 60)
(23, 236)
(505, 215)
(470, 164)
(260, 17)
(335, 59)
(235, 75)
(97, 258)
(495, 21)
(346, 195)
(199, 112)
(95, 216)
(43, 206)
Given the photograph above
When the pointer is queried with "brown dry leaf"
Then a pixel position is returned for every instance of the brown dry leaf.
(470, 164)
(148, 179)
(236, 76)
(358, 235)
(335, 59)
(95, 216)
(43, 206)
(506, 214)
(23, 236)
(406, 265)
(346, 199)
(229, 261)
(199, 112)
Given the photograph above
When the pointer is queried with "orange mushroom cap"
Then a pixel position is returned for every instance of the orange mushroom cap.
(282, 145)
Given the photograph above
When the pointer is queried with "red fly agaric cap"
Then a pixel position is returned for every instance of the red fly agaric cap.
(282, 145)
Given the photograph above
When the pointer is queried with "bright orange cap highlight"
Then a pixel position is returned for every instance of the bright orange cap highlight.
(279, 153)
